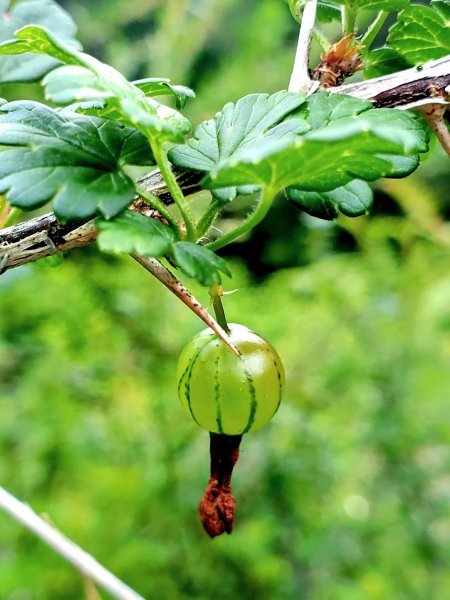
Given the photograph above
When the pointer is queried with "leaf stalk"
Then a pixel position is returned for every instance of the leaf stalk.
(175, 191)
(156, 203)
(206, 220)
(262, 207)
(321, 39)
(372, 31)
(348, 20)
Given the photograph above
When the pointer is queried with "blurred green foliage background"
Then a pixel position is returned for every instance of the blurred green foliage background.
(346, 494)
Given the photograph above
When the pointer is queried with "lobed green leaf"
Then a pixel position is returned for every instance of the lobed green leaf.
(326, 11)
(328, 157)
(237, 125)
(74, 83)
(384, 61)
(421, 33)
(323, 144)
(68, 89)
(154, 86)
(321, 109)
(353, 199)
(443, 8)
(73, 160)
(131, 232)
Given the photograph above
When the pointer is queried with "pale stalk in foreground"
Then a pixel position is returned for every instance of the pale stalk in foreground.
(300, 79)
(81, 560)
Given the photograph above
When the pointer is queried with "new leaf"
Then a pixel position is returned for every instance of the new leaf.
(86, 78)
(41, 12)
(234, 128)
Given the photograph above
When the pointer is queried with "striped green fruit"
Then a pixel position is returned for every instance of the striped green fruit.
(225, 393)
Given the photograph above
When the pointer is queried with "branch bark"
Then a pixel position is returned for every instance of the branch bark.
(153, 266)
(45, 235)
(414, 89)
(408, 89)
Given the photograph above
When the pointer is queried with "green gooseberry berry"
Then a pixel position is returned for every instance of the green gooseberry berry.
(225, 393)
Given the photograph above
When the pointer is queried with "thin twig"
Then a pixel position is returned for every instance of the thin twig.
(173, 284)
(81, 560)
(443, 134)
(406, 89)
(20, 244)
(300, 79)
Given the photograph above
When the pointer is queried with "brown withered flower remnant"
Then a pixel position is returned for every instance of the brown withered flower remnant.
(341, 61)
(217, 505)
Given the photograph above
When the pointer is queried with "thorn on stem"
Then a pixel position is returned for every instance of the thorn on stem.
(435, 115)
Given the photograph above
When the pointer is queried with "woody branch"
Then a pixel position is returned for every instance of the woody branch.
(413, 89)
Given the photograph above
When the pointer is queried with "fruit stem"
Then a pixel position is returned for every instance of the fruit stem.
(216, 508)
(216, 293)
(167, 278)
